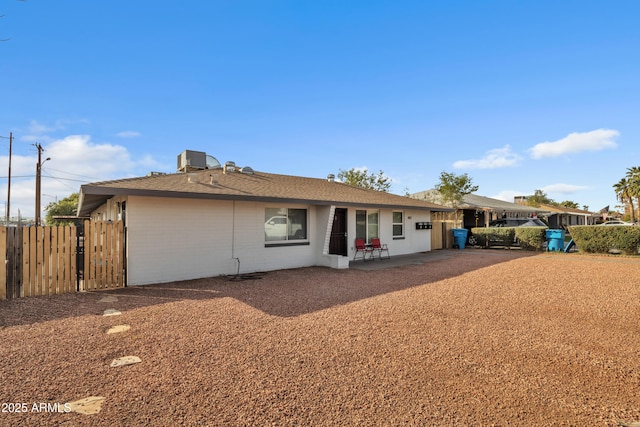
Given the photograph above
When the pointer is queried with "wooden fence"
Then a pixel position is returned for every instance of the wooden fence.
(58, 259)
(441, 236)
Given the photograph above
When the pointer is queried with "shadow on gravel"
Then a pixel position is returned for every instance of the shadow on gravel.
(283, 293)
(290, 293)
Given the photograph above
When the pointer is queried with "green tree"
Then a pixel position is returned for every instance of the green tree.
(65, 207)
(633, 178)
(569, 204)
(454, 187)
(364, 179)
(623, 193)
(538, 198)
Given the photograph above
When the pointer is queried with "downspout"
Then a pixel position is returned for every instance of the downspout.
(233, 236)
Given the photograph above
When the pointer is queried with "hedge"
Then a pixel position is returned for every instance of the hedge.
(529, 238)
(597, 239)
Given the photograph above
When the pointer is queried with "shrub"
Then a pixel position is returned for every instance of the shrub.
(488, 236)
(529, 238)
(594, 239)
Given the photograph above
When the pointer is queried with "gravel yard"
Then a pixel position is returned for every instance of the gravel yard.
(476, 337)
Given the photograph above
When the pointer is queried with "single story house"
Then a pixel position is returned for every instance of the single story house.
(563, 217)
(479, 211)
(206, 222)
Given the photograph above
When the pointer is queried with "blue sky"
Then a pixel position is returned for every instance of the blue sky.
(520, 95)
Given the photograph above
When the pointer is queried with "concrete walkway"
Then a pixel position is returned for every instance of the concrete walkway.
(400, 260)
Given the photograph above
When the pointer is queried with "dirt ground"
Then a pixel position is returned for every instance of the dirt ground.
(476, 337)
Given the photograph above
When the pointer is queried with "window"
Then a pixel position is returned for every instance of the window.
(366, 224)
(398, 224)
(282, 224)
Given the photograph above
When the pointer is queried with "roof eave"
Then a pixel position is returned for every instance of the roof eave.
(89, 201)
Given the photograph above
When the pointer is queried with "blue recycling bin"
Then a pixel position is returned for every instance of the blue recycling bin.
(555, 240)
(459, 237)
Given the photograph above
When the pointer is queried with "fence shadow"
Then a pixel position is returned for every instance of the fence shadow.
(283, 293)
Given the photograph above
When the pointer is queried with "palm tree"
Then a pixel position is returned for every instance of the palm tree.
(633, 178)
(623, 194)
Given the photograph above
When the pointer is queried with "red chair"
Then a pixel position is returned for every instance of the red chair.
(376, 246)
(362, 248)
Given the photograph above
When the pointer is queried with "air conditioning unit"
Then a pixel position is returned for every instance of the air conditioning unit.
(192, 160)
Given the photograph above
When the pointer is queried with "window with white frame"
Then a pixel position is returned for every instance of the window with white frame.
(367, 224)
(398, 224)
(285, 224)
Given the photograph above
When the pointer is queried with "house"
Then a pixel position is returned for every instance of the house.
(562, 217)
(479, 211)
(211, 220)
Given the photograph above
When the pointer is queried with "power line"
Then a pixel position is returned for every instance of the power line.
(59, 180)
(48, 176)
(75, 174)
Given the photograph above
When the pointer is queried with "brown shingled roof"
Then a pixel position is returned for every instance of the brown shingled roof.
(260, 186)
(565, 210)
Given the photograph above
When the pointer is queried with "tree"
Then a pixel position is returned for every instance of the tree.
(539, 198)
(623, 194)
(454, 187)
(65, 207)
(569, 204)
(362, 178)
(633, 178)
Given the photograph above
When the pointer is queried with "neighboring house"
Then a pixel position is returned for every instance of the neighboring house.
(479, 211)
(562, 217)
(223, 221)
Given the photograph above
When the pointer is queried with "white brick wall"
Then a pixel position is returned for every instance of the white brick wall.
(177, 239)
(414, 240)
(181, 239)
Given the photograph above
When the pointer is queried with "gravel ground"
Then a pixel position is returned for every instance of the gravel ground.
(482, 337)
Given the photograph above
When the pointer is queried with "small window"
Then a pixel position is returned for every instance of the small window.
(398, 224)
(282, 224)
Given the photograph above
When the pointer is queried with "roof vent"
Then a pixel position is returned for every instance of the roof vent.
(331, 177)
(247, 170)
(229, 167)
(211, 162)
(192, 177)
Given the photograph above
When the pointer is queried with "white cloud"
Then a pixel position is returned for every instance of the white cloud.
(39, 132)
(563, 188)
(493, 159)
(128, 134)
(38, 128)
(77, 153)
(576, 142)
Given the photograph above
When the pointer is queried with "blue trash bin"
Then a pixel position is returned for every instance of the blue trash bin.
(459, 237)
(555, 240)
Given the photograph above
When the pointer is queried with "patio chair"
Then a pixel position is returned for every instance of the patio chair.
(376, 246)
(362, 248)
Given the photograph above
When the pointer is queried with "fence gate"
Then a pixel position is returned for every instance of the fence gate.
(441, 236)
(104, 264)
(58, 259)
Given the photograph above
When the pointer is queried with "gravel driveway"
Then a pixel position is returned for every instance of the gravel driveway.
(478, 337)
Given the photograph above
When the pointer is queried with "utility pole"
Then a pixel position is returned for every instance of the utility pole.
(38, 179)
(8, 210)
